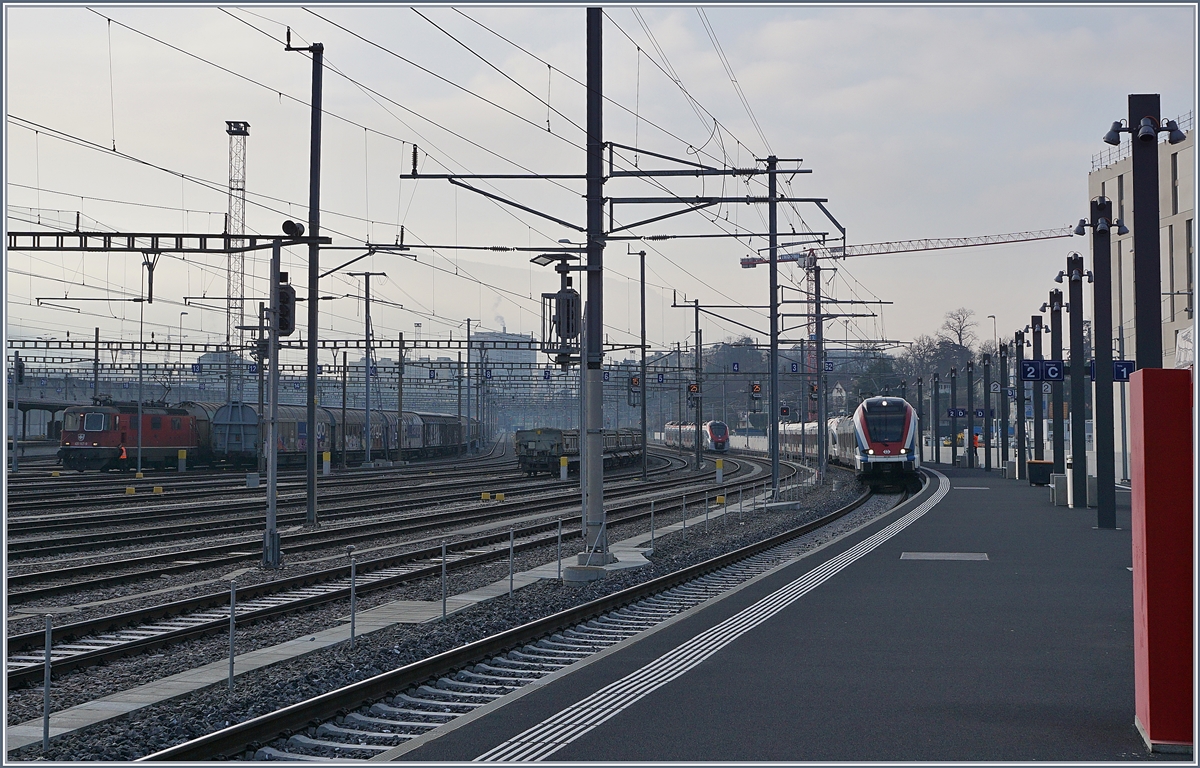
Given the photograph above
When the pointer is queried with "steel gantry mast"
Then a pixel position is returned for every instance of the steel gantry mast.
(238, 131)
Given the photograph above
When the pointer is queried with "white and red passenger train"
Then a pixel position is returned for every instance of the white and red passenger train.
(714, 434)
(879, 442)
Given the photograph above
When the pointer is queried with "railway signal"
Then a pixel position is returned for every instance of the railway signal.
(287, 309)
(693, 388)
(755, 390)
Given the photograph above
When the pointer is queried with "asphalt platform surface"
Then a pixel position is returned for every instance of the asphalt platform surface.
(937, 655)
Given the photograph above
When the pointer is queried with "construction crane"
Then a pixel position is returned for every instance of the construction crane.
(907, 246)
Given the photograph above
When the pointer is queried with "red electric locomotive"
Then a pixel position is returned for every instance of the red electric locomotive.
(93, 435)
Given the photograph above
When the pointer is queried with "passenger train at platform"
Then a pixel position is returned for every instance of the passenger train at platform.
(714, 434)
(879, 442)
(229, 435)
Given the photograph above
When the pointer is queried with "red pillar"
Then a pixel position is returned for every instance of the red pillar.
(1163, 530)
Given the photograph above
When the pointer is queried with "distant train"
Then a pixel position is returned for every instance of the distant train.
(541, 450)
(879, 442)
(228, 435)
(715, 435)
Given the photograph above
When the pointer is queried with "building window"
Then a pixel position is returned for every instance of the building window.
(1171, 265)
(1121, 197)
(1191, 289)
(1174, 183)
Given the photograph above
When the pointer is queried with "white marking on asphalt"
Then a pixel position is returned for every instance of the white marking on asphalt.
(943, 556)
(554, 733)
(971, 488)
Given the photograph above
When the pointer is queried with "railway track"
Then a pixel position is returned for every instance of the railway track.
(346, 506)
(98, 640)
(379, 714)
(38, 496)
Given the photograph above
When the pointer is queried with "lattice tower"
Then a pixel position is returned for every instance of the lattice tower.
(235, 313)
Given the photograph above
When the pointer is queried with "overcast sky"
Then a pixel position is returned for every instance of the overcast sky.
(915, 122)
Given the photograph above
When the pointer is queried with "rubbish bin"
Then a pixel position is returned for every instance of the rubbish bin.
(1070, 484)
(1039, 471)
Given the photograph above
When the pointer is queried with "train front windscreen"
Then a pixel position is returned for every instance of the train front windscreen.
(885, 423)
(719, 430)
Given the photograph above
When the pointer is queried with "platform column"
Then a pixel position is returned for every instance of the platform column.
(1163, 530)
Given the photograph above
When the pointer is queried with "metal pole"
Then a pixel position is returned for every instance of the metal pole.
(558, 556)
(1056, 388)
(232, 617)
(459, 413)
(699, 387)
(444, 580)
(642, 265)
(468, 374)
(16, 407)
(96, 366)
(1079, 463)
(954, 417)
(1147, 270)
(141, 352)
(1039, 442)
(271, 553)
(594, 357)
(1102, 401)
(651, 525)
(1022, 454)
(263, 361)
(1124, 415)
(314, 271)
(920, 416)
(969, 438)
(400, 401)
(773, 248)
(822, 426)
(1004, 404)
(345, 374)
(936, 418)
(353, 595)
(367, 366)
(510, 562)
(987, 413)
(46, 683)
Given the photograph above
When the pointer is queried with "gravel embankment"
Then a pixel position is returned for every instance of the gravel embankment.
(158, 726)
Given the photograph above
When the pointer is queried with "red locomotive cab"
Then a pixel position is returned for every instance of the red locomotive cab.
(719, 433)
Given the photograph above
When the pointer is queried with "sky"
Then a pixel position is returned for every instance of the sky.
(915, 122)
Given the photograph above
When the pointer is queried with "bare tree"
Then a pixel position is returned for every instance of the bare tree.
(958, 327)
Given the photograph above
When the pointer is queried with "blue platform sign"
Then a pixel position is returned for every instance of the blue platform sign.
(1011, 392)
(195, 367)
(737, 367)
(253, 367)
(1122, 369)
(1031, 370)
(661, 378)
(374, 372)
(962, 413)
(432, 373)
(979, 413)
(320, 369)
(605, 376)
(546, 375)
(828, 365)
(124, 385)
(1053, 370)
(297, 385)
(795, 367)
(487, 373)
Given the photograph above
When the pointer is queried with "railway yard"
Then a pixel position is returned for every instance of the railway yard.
(139, 589)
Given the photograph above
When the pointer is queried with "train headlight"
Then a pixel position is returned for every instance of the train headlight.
(870, 451)
(903, 451)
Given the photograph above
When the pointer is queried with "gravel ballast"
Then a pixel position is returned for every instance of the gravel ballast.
(161, 725)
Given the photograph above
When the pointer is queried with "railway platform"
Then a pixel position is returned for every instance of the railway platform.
(975, 622)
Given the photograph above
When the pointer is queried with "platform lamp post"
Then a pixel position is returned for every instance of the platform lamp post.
(935, 417)
(1076, 274)
(149, 260)
(1145, 125)
(1102, 411)
(954, 416)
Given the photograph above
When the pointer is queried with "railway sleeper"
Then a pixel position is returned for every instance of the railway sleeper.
(498, 667)
(530, 654)
(382, 709)
(482, 686)
(331, 731)
(270, 753)
(354, 719)
(302, 742)
(500, 679)
(438, 704)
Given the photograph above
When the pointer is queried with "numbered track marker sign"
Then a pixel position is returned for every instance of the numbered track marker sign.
(1047, 388)
(995, 386)
(795, 367)
(736, 367)
(1031, 370)
(661, 378)
(546, 375)
(1053, 370)
(829, 365)
(432, 373)
(487, 373)
(606, 375)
